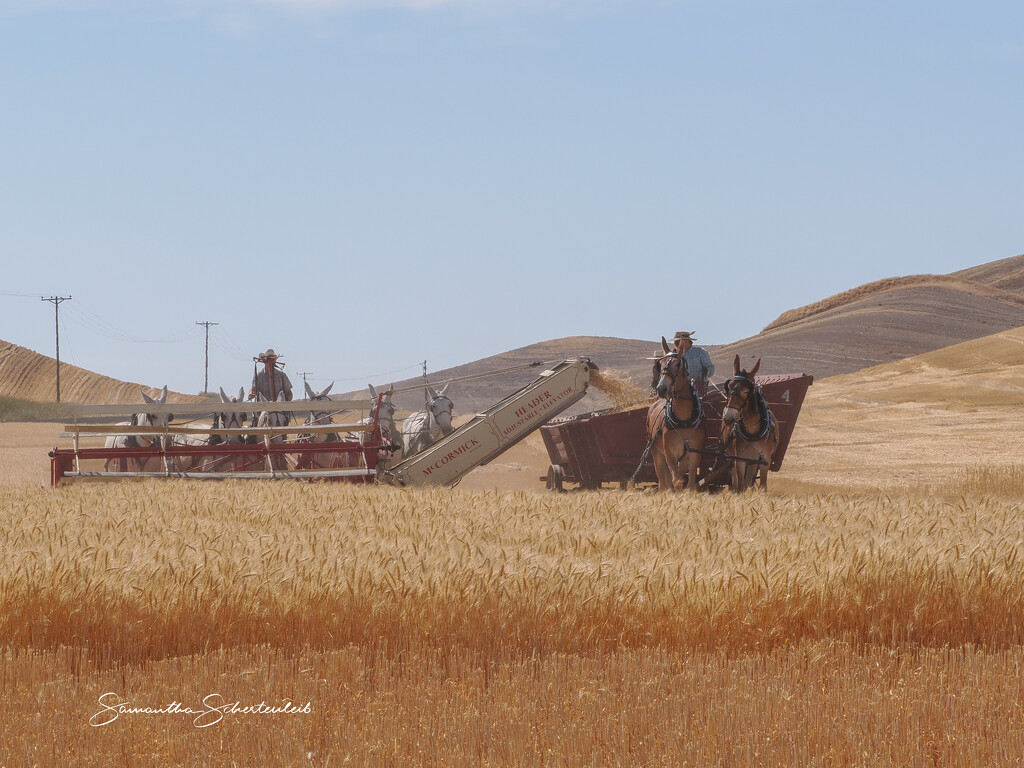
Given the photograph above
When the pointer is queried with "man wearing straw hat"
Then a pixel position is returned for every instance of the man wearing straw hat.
(698, 361)
(270, 381)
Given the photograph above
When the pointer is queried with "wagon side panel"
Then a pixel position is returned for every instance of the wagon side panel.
(785, 396)
(585, 456)
(571, 445)
(556, 442)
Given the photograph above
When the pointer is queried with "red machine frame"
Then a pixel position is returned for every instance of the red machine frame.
(351, 460)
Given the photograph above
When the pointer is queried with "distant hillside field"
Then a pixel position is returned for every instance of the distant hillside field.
(28, 375)
(1007, 274)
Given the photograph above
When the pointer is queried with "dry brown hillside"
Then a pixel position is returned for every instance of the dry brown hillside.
(915, 421)
(870, 290)
(31, 376)
(877, 328)
(1007, 274)
(887, 320)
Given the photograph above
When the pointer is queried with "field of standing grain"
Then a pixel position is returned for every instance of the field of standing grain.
(840, 619)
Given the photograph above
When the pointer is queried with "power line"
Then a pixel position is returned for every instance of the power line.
(98, 325)
(230, 348)
(369, 377)
(56, 301)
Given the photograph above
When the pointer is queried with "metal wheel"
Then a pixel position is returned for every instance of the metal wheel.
(555, 476)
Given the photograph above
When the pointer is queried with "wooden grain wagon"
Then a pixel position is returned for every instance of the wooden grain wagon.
(600, 448)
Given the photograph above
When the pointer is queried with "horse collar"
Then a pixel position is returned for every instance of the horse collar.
(671, 422)
(766, 420)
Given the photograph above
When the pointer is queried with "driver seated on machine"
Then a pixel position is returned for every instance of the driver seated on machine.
(271, 380)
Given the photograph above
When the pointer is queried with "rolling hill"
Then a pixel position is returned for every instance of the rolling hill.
(915, 421)
(28, 375)
(876, 323)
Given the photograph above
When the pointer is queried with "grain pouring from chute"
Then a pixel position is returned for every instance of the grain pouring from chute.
(624, 393)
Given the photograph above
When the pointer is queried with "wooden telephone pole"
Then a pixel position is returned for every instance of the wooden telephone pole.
(56, 301)
(206, 368)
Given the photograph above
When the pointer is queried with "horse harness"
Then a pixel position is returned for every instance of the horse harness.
(767, 420)
(221, 421)
(315, 419)
(670, 421)
(132, 441)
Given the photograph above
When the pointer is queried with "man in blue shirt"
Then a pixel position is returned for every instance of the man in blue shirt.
(698, 361)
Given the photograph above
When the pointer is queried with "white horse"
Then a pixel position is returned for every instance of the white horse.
(232, 420)
(383, 411)
(423, 428)
(317, 459)
(221, 420)
(273, 419)
(135, 464)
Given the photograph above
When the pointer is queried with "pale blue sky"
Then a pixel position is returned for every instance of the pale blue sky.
(365, 185)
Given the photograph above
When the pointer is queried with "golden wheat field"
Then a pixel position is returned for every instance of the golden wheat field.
(856, 614)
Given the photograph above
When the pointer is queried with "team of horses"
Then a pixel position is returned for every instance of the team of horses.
(419, 430)
(677, 426)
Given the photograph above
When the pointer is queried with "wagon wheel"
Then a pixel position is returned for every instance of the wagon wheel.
(555, 476)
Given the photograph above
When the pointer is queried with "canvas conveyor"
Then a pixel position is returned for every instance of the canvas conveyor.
(491, 433)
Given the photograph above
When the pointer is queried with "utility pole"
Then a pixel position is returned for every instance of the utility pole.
(206, 369)
(426, 395)
(304, 374)
(56, 301)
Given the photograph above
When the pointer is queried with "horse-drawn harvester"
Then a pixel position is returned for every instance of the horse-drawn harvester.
(151, 445)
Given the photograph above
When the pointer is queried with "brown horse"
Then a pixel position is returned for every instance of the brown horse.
(749, 430)
(675, 423)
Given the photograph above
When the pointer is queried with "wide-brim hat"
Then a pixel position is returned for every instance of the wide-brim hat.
(687, 335)
(270, 353)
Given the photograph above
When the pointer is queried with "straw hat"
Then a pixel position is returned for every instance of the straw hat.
(688, 335)
(268, 355)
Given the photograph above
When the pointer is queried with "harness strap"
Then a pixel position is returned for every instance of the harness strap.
(767, 421)
(671, 422)
(647, 453)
